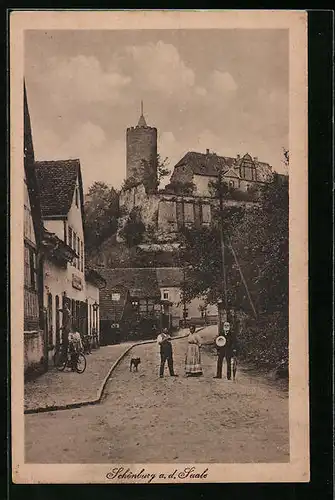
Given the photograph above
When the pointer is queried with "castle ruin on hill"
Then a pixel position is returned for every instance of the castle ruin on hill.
(165, 211)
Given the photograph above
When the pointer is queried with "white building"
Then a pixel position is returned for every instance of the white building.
(170, 282)
(62, 205)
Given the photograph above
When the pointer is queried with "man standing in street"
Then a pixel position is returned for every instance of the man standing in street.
(226, 350)
(164, 341)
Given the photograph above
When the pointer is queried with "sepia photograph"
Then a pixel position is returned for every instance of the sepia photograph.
(159, 174)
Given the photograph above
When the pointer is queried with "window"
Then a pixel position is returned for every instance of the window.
(78, 250)
(50, 320)
(76, 193)
(189, 213)
(206, 214)
(231, 184)
(70, 237)
(165, 295)
(82, 256)
(30, 268)
(73, 312)
(74, 236)
(248, 187)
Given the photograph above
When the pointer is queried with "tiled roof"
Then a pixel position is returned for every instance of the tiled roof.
(56, 181)
(30, 173)
(209, 164)
(205, 164)
(141, 282)
(112, 309)
(169, 276)
(94, 277)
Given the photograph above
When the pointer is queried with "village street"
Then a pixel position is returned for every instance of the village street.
(145, 419)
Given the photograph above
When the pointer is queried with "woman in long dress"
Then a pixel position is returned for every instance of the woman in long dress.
(193, 366)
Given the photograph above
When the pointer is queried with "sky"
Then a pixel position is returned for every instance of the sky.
(225, 90)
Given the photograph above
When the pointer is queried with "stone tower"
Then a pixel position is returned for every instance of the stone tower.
(142, 152)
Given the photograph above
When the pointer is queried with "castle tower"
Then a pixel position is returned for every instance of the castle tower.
(142, 152)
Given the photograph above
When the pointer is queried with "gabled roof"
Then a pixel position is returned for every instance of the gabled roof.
(141, 282)
(232, 172)
(56, 181)
(113, 309)
(205, 164)
(210, 164)
(169, 277)
(95, 278)
(30, 173)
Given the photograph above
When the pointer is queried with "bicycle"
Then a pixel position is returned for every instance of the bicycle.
(61, 361)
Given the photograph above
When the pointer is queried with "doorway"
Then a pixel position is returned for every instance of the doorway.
(57, 322)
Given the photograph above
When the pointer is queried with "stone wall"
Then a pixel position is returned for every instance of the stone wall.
(34, 349)
(164, 214)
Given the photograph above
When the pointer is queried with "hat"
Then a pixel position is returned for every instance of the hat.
(220, 341)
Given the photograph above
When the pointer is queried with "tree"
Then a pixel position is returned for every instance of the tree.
(201, 258)
(257, 237)
(151, 181)
(262, 236)
(134, 228)
(180, 188)
(101, 211)
(162, 168)
(129, 183)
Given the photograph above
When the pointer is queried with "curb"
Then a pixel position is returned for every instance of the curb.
(97, 400)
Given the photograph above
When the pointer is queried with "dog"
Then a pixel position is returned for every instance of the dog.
(134, 362)
(233, 362)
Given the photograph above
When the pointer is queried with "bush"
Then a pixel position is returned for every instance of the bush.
(264, 342)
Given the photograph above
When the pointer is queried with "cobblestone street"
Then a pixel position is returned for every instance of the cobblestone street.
(62, 388)
(145, 419)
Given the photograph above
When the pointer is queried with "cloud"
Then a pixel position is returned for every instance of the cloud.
(200, 91)
(222, 82)
(81, 79)
(88, 143)
(155, 67)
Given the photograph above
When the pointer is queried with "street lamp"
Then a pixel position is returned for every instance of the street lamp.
(95, 322)
(95, 306)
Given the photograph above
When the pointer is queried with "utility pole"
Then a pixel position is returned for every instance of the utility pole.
(243, 279)
(224, 301)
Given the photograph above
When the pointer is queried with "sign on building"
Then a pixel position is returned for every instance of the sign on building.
(76, 282)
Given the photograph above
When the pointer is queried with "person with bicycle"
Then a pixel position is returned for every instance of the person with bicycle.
(66, 328)
(75, 347)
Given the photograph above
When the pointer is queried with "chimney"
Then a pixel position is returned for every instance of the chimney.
(237, 157)
(255, 158)
(207, 151)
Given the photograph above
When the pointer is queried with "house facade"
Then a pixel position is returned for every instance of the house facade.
(34, 341)
(66, 280)
(134, 296)
(170, 282)
(242, 173)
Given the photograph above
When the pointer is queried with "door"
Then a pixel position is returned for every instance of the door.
(50, 320)
(57, 322)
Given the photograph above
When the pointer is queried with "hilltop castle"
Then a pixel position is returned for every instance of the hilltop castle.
(165, 211)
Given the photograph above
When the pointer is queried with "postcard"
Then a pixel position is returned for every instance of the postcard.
(159, 251)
